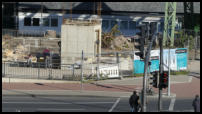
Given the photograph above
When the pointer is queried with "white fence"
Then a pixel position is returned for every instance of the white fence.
(108, 71)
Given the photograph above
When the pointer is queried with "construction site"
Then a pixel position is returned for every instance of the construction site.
(81, 48)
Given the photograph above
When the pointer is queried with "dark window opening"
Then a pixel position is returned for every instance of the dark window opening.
(124, 25)
(105, 24)
(132, 25)
(54, 22)
(27, 21)
(35, 21)
(46, 22)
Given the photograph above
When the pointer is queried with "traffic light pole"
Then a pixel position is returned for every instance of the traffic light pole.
(146, 60)
(160, 75)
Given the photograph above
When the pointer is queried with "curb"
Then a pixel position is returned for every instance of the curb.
(63, 93)
(17, 80)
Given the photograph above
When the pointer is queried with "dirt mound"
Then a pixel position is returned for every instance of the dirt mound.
(121, 43)
(11, 52)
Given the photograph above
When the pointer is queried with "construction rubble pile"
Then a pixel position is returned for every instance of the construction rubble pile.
(121, 43)
(14, 52)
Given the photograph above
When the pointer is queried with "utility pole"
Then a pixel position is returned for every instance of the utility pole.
(160, 74)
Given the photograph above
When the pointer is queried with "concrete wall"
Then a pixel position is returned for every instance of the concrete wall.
(78, 37)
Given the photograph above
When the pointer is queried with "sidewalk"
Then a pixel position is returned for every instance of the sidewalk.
(182, 86)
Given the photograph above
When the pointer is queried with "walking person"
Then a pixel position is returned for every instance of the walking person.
(133, 101)
(196, 104)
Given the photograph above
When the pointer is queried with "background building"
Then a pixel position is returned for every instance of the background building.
(45, 16)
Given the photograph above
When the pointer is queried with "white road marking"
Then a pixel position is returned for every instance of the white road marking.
(34, 103)
(51, 109)
(93, 102)
(191, 110)
(172, 103)
(57, 103)
(190, 79)
(125, 96)
(112, 108)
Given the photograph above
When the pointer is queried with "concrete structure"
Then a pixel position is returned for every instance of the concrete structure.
(77, 36)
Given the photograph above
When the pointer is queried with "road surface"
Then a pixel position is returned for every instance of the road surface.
(86, 104)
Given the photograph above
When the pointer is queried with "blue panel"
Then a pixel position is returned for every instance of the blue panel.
(181, 59)
(178, 61)
(138, 67)
(154, 65)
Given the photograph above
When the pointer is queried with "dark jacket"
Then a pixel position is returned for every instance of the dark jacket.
(134, 100)
(196, 104)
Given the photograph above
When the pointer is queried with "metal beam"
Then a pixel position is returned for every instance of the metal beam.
(169, 23)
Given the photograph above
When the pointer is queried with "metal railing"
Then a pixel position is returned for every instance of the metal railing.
(39, 70)
(51, 71)
(109, 66)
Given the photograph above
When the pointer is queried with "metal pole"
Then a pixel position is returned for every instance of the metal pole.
(117, 61)
(82, 57)
(4, 69)
(168, 92)
(38, 70)
(144, 83)
(195, 45)
(73, 72)
(98, 65)
(145, 73)
(161, 71)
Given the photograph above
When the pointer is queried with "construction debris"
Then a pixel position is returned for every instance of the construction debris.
(51, 34)
(12, 53)
(121, 43)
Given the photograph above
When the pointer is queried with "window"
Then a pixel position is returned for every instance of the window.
(145, 23)
(105, 24)
(113, 23)
(124, 25)
(46, 22)
(54, 22)
(27, 21)
(132, 25)
(35, 21)
(162, 26)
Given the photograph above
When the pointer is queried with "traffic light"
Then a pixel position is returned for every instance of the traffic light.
(142, 30)
(164, 79)
(153, 28)
(140, 40)
(154, 79)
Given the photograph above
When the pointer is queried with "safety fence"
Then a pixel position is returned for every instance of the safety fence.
(55, 71)
(37, 71)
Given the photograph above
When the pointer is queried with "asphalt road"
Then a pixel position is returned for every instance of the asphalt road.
(86, 104)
